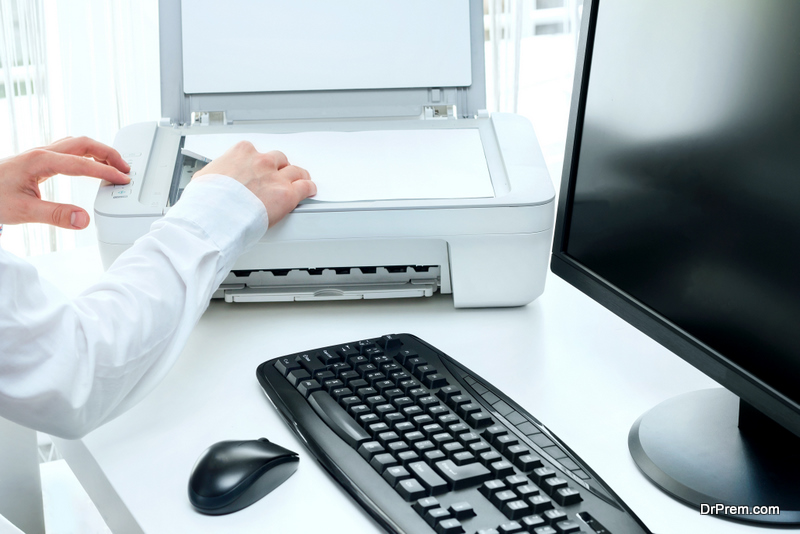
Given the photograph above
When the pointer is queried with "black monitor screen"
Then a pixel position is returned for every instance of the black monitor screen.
(686, 172)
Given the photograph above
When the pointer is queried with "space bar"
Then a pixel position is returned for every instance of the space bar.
(337, 418)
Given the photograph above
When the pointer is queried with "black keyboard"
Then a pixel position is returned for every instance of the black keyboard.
(425, 445)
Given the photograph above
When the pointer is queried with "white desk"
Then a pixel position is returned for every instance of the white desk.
(582, 371)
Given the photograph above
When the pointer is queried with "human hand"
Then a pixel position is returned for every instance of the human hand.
(20, 176)
(269, 176)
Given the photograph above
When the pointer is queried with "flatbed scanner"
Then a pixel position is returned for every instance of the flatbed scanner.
(402, 69)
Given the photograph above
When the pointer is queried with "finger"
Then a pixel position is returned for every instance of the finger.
(280, 158)
(85, 146)
(61, 215)
(293, 173)
(304, 189)
(46, 163)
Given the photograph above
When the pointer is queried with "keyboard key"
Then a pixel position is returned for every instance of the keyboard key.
(457, 400)
(365, 392)
(432, 482)
(436, 380)
(374, 401)
(450, 526)
(431, 429)
(406, 457)
(297, 376)
(368, 419)
(422, 446)
(339, 368)
(384, 438)
(434, 515)
(501, 469)
(331, 384)
(567, 527)
(422, 371)
(512, 527)
(338, 393)
(441, 438)
(554, 516)
(446, 392)
(307, 387)
(381, 461)
(311, 363)
(437, 411)
(516, 480)
(462, 510)
(463, 458)
(410, 489)
(567, 496)
(541, 474)
(467, 437)
(393, 475)
(500, 498)
(516, 509)
(458, 428)
(377, 428)
(550, 485)
(286, 364)
(425, 504)
(369, 449)
(545, 530)
(528, 462)
(383, 385)
(345, 351)
(531, 522)
(480, 420)
(489, 457)
(404, 354)
(462, 476)
(528, 490)
(385, 411)
(357, 409)
(465, 409)
(413, 363)
(348, 376)
(396, 447)
(479, 447)
(419, 420)
(492, 432)
(490, 487)
(504, 442)
(432, 456)
(540, 503)
(324, 376)
(401, 402)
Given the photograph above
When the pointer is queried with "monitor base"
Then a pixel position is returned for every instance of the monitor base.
(691, 447)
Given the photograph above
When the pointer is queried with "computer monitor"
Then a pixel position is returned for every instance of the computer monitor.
(680, 211)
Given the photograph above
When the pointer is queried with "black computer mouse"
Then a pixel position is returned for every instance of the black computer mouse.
(231, 475)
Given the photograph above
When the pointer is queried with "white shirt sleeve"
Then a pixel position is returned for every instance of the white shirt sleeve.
(67, 366)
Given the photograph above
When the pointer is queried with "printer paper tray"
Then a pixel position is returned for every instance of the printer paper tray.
(415, 288)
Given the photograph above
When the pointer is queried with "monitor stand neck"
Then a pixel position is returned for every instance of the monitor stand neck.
(692, 448)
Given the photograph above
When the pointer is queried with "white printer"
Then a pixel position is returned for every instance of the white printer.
(400, 70)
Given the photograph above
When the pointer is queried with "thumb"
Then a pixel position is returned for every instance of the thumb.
(61, 215)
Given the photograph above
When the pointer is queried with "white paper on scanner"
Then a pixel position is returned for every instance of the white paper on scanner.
(374, 165)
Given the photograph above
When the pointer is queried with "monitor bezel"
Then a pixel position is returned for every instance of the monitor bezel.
(728, 374)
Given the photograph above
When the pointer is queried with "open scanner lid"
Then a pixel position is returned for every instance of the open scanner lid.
(317, 59)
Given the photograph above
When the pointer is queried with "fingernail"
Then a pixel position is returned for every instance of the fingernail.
(79, 219)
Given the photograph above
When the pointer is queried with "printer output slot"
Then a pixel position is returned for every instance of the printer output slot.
(340, 271)
(318, 282)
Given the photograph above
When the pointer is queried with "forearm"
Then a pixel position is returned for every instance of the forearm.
(103, 351)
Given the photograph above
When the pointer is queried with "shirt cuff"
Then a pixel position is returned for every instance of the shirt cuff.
(229, 213)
